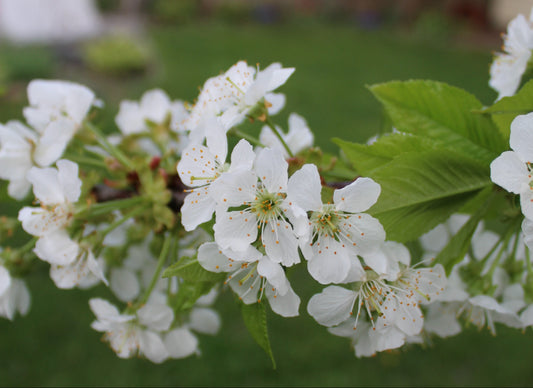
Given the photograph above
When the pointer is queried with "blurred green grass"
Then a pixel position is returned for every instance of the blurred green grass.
(54, 345)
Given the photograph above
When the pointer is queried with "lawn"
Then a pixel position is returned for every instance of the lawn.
(54, 345)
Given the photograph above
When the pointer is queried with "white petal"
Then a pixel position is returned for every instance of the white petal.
(215, 137)
(242, 156)
(38, 221)
(198, 207)
(271, 168)
(285, 305)
(205, 321)
(152, 347)
(181, 343)
(234, 230)
(274, 274)
(358, 196)
(234, 188)
(46, 185)
(57, 248)
(330, 263)
(130, 119)
(280, 242)
(124, 284)
(155, 105)
(156, 316)
(365, 231)
(211, 258)
(53, 141)
(509, 172)
(277, 100)
(197, 161)
(332, 306)
(304, 188)
(521, 139)
(5, 280)
(68, 179)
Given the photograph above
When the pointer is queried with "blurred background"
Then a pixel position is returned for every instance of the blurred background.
(121, 48)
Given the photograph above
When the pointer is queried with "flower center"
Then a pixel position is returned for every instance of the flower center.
(267, 206)
(326, 222)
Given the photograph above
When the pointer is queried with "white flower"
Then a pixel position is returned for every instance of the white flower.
(507, 69)
(232, 95)
(85, 271)
(57, 190)
(260, 194)
(130, 334)
(483, 309)
(56, 111)
(200, 166)
(512, 169)
(16, 148)
(338, 232)
(297, 139)
(252, 275)
(14, 295)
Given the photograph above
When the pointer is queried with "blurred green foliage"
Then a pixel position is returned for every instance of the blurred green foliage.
(116, 55)
(174, 12)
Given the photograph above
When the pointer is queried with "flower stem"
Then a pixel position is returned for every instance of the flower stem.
(253, 140)
(133, 213)
(161, 261)
(98, 209)
(113, 150)
(276, 132)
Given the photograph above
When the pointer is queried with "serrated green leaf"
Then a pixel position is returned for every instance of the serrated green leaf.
(188, 268)
(458, 245)
(505, 110)
(368, 158)
(254, 316)
(443, 113)
(419, 191)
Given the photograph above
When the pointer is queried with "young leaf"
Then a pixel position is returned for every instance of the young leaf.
(368, 158)
(189, 269)
(419, 191)
(505, 110)
(443, 113)
(254, 316)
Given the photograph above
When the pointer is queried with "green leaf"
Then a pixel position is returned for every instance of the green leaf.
(505, 110)
(188, 268)
(443, 113)
(368, 158)
(419, 191)
(188, 294)
(254, 316)
(458, 245)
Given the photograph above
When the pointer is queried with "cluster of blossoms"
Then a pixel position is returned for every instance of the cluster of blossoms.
(181, 203)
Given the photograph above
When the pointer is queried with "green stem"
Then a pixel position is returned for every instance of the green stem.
(131, 214)
(98, 209)
(28, 246)
(276, 132)
(114, 151)
(86, 160)
(251, 139)
(161, 261)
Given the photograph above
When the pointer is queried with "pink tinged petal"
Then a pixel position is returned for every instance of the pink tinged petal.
(509, 172)
(271, 168)
(198, 207)
(521, 139)
(152, 347)
(242, 156)
(330, 263)
(234, 188)
(277, 101)
(234, 230)
(205, 321)
(156, 317)
(68, 179)
(332, 306)
(285, 305)
(57, 248)
(46, 185)
(130, 119)
(304, 188)
(365, 231)
(5, 280)
(526, 203)
(274, 274)
(53, 141)
(280, 242)
(358, 196)
(124, 284)
(181, 343)
(211, 258)
(198, 162)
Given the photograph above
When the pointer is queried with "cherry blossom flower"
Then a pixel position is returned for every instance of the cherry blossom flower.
(338, 232)
(512, 169)
(508, 68)
(252, 275)
(297, 139)
(259, 196)
(14, 295)
(135, 333)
